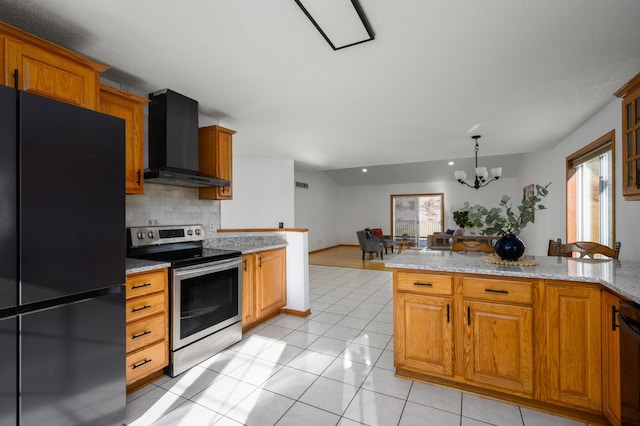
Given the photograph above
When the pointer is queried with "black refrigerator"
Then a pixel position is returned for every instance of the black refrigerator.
(62, 263)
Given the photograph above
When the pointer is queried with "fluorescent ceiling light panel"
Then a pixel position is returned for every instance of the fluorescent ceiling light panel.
(341, 22)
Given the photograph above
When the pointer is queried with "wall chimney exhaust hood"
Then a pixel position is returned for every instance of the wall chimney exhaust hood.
(173, 142)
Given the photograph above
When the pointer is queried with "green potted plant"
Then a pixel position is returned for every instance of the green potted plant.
(461, 218)
(508, 223)
(404, 236)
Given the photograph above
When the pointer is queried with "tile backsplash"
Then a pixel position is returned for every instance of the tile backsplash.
(171, 205)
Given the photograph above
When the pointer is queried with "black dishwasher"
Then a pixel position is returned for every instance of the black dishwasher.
(629, 318)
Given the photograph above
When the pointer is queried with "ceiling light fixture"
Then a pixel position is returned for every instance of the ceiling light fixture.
(342, 23)
(481, 172)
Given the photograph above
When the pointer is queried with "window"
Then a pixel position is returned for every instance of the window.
(417, 215)
(591, 192)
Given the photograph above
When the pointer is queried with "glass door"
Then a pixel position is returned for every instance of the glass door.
(417, 216)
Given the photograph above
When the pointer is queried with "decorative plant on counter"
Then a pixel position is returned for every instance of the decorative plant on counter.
(496, 222)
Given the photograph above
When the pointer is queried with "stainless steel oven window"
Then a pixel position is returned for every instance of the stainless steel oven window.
(205, 298)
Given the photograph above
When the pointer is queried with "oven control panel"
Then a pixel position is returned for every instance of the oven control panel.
(153, 235)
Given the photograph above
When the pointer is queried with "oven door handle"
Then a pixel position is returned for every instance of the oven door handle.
(208, 268)
(629, 323)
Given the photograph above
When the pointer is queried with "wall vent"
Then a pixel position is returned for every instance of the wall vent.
(302, 185)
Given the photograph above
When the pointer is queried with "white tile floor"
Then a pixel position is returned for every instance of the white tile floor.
(332, 368)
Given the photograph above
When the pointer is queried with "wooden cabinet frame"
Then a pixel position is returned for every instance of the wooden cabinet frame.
(509, 345)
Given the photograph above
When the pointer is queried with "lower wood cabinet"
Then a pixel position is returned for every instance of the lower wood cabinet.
(611, 402)
(147, 327)
(248, 289)
(574, 352)
(264, 289)
(425, 321)
(498, 346)
(548, 344)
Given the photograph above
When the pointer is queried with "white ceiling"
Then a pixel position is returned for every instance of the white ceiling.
(522, 73)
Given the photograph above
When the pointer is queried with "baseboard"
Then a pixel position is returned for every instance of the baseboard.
(333, 247)
(296, 313)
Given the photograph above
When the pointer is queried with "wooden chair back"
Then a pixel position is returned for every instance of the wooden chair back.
(588, 249)
(555, 247)
(472, 246)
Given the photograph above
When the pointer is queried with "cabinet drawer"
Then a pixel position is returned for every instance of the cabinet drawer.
(143, 307)
(425, 283)
(146, 361)
(497, 290)
(146, 331)
(149, 282)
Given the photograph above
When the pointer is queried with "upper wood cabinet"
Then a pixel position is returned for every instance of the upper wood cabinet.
(47, 69)
(214, 159)
(630, 94)
(130, 108)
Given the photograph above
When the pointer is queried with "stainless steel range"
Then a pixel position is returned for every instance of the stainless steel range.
(205, 293)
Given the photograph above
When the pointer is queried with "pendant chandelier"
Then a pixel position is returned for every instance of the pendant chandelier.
(481, 172)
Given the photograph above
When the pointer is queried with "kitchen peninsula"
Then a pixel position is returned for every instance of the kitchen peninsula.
(538, 336)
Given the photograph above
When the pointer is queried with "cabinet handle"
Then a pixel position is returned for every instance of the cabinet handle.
(614, 311)
(244, 265)
(423, 284)
(140, 309)
(448, 317)
(468, 315)
(134, 287)
(490, 290)
(137, 336)
(260, 261)
(141, 363)
(139, 176)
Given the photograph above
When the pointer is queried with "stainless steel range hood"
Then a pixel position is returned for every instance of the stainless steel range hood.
(173, 142)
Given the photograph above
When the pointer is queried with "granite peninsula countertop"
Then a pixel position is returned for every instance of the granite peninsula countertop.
(621, 276)
(247, 244)
(140, 265)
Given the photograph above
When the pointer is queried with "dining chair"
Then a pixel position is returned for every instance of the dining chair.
(588, 249)
(472, 246)
(554, 248)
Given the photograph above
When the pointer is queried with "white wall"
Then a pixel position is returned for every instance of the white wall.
(550, 167)
(316, 209)
(370, 206)
(263, 194)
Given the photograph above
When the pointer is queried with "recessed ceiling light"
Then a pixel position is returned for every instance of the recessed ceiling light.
(451, 163)
(364, 170)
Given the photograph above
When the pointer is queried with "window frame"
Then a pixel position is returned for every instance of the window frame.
(592, 148)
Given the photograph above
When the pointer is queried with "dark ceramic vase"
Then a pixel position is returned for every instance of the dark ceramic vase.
(509, 247)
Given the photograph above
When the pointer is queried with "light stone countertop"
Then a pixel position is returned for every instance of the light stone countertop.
(621, 276)
(140, 265)
(247, 244)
